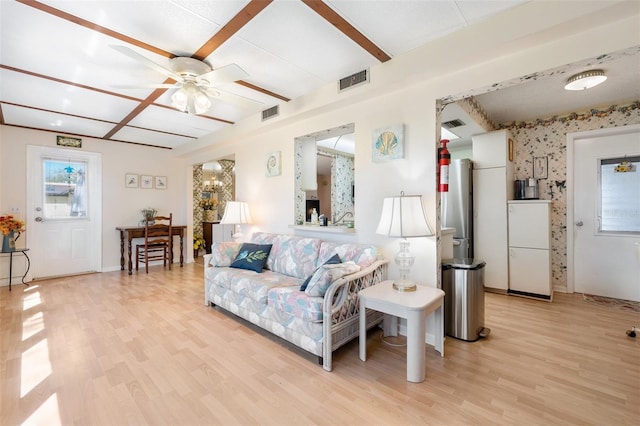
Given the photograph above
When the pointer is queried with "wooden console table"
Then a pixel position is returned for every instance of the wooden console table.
(128, 233)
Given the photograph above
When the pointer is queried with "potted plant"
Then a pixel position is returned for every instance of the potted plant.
(198, 243)
(208, 207)
(148, 213)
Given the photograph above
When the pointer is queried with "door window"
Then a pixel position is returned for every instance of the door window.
(64, 189)
(620, 195)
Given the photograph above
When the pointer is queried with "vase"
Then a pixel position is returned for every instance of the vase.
(208, 215)
(9, 242)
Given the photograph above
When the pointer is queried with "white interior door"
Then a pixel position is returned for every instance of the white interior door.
(606, 259)
(63, 211)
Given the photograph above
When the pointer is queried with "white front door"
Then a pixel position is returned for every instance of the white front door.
(606, 214)
(64, 204)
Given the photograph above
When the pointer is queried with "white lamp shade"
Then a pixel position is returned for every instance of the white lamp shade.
(236, 212)
(403, 217)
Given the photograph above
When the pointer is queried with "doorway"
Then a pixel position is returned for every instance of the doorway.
(603, 232)
(64, 211)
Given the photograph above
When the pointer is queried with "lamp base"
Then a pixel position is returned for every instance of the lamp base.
(404, 286)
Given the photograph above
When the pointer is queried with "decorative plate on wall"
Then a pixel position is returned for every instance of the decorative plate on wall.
(272, 164)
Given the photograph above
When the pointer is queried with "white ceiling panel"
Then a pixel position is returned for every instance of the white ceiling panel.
(295, 34)
(37, 119)
(147, 137)
(166, 120)
(168, 25)
(70, 52)
(50, 95)
(398, 29)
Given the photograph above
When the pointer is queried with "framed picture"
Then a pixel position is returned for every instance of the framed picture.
(161, 182)
(67, 141)
(272, 165)
(511, 154)
(540, 167)
(130, 180)
(387, 143)
(146, 182)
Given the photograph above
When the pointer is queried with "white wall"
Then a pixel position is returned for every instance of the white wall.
(534, 37)
(121, 205)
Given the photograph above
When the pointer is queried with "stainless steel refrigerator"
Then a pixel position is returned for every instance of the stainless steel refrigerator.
(457, 207)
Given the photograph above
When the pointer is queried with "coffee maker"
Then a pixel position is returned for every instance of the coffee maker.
(526, 189)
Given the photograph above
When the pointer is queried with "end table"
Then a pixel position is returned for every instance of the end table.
(413, 306)
(10, 253)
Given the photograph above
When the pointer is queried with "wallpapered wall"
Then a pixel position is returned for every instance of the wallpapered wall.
(342, 179)
(342, 188)
(547, 137)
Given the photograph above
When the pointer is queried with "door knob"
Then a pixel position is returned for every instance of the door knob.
(579, 223)
(38, 219)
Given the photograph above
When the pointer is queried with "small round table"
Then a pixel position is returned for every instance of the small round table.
(10, 253)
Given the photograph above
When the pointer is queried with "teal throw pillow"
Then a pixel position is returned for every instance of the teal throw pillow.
(252, 257)
(335, 259)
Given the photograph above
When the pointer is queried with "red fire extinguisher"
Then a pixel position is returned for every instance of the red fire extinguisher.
(444, 159)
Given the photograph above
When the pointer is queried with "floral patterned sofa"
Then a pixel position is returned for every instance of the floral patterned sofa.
(319, 318)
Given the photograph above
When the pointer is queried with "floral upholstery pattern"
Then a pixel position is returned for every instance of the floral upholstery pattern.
(362, 255)
(249, 284)
(223, 253)
(290, 255)
(297, 303)
(327, 274)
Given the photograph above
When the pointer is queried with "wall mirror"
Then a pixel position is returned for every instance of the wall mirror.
(325, 179)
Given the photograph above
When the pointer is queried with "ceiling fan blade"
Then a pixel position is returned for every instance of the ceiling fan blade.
(146, 86)
(146, 61)
(223, 75)
(232, 98)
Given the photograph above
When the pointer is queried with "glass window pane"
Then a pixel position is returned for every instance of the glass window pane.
(620, 195)
(64, 189)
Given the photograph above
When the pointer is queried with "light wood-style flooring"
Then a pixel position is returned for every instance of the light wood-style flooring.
(113, 349)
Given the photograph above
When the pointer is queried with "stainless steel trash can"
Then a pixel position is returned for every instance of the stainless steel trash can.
(463, 285)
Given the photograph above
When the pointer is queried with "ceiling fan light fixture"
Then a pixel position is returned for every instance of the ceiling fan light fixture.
(585, 80)
(190, 98)
(201, 102)
(179, 99)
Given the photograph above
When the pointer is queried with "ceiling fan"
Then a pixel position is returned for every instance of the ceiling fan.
(196, 82)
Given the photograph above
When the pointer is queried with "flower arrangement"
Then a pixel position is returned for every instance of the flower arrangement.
(198, 242)
(148, 213)
(208, 204)
(8, 223)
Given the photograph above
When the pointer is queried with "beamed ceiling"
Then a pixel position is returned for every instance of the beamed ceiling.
(60, 72)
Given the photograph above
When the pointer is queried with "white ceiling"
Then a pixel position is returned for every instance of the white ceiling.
(58, 71)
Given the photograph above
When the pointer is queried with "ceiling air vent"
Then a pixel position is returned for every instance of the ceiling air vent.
(353, 80)
(270, 113)
(452, 124)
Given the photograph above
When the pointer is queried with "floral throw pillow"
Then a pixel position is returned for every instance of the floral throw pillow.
(252, 257)
(224, 253)
(332, 261)
(327, 274)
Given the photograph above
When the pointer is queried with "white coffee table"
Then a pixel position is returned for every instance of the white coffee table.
(413, 306)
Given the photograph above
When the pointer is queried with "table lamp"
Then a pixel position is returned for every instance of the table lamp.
(404, 217)
(236, 213)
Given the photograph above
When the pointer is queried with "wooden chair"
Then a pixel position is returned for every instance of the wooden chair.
(158, 242)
